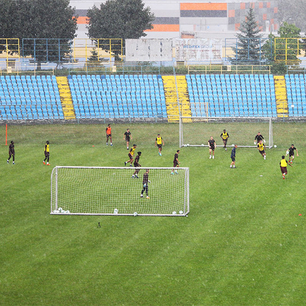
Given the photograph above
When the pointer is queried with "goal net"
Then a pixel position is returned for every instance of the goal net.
(242, 131)
(113, 191)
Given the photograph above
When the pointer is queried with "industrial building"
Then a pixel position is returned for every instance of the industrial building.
(194, 19)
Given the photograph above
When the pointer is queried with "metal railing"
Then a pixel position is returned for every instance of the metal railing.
(230, 69)
(121, 68)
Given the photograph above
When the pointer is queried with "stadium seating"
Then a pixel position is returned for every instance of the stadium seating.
(29, 98)
(143, 96)
(232, 95)
(295, 86)
(120, 96)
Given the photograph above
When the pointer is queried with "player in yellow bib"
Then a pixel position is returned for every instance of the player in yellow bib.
(47, 153)
(130, 155)
(159, 142)
(224, 136)
(261, 148)
(283, 166)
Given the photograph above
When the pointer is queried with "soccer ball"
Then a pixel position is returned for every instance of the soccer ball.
(174, 213)
(275, 146)
(115, 211)
(135, 214)
(202, 144)
(181, 212)
(60, 210)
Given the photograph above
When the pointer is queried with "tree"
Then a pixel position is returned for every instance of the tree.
(289, 31)
(119, 19)
(292, 11)
(248, 47)
(11, 24)
(94, 60)
(285, 47)
(45, 28)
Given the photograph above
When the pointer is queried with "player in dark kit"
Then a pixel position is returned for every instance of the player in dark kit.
(224, 136)
(283, 166)
(128, 137)
(109, 135)
(233, 157)
(212, 145)
(130, 155)
(145, 183)
(47, 153)
(291, 153)
(11, 152)
(175, 162)
(258, 138)
(137, 165)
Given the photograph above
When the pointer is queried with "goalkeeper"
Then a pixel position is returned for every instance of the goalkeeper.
(258, 138)
(145, 183)
(109, 135)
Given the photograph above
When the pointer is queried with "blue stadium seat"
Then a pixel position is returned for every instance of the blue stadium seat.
(38, 97)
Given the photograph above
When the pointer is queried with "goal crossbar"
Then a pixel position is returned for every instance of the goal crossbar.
(115, 191)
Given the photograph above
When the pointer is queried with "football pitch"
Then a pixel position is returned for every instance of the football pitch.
(243, 242)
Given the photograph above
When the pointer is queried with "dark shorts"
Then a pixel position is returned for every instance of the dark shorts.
(11, 153)
(159, 145)
(262, 152)
(233, 159)
(137, 165)
(291, 155)
(108, 135)
(127, 139)
(47, 154)
(212, 148)
(130, 156)
(224, 140)
(284, 169)
(175, 164)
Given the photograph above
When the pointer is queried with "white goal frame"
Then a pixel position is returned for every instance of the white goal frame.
(183, 143)
(115, 193)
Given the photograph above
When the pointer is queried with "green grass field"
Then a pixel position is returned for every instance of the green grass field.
(242, 244)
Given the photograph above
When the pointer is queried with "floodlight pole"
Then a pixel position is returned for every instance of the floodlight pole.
(178, 103)
(270, 133)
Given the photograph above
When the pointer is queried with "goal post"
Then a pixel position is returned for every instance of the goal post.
(113, 191)
(242, 130)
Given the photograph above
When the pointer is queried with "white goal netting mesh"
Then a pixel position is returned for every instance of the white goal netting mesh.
(113, 191)
(242, 131)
